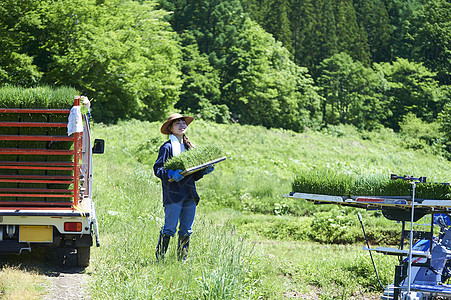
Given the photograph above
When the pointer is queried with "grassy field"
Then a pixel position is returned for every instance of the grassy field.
(249, 242)
(17, 284)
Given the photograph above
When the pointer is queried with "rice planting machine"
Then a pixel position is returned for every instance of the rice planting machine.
(46, 180)
(424, 255)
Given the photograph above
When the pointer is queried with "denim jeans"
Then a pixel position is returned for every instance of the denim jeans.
(182, 212)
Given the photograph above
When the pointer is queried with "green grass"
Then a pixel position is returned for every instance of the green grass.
(16, 284)
(249, 242)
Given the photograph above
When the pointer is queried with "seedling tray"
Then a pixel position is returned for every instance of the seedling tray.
(198, 168)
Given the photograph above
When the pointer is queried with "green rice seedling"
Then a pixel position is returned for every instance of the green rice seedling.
(194, 157)
(332, 183)
(37, 97)
(42, 97)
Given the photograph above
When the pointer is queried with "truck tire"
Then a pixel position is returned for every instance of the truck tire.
(83, 256)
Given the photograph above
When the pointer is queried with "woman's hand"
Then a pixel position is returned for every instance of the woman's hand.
(209, 169)
(175, 175)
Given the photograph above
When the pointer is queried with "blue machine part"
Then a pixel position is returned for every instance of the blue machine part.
(442, 220)
(421, 245)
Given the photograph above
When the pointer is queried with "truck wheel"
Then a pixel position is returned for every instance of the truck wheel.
(83, 256)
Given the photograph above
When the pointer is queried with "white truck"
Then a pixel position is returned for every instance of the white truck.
(46, 180)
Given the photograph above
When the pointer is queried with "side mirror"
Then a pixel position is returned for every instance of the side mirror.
(99, 146)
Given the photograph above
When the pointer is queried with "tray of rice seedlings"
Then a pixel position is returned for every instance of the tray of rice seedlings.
(326, 182)
(43, 97)
(195, 159)
(37, 97)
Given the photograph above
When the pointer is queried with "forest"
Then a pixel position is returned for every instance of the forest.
(291, 64)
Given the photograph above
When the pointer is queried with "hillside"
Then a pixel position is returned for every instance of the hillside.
(248, 241)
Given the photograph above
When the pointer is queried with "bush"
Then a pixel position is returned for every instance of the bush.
(416, 133)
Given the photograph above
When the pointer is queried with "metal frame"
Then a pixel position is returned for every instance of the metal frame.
(44, 197)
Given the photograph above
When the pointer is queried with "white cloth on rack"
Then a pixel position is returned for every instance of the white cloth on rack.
(75, 123)
(177, 147)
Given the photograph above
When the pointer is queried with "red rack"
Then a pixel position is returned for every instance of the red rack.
(48, 178)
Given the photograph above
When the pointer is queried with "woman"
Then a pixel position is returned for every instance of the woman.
(180, 197)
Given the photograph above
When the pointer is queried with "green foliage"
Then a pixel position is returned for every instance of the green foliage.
(227, 274)
(216, 62)
(17, 22)
(120, 53)
(333, 227)
(123, 55)
(316, 29)
(412, 88)
(429, 38)
(372, 15)
(266, 87)
(445, 125)
(194, 157)
(200, 91)
(417, 133)
(37, 97)
(352, 93)
(258, 82)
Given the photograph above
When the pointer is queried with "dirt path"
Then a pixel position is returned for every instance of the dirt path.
(68, 286)
(64, 280)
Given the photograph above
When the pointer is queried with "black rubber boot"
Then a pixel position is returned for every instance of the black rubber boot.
(162, 246)
(182, 247)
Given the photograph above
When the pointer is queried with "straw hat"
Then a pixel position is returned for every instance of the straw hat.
(164, 128)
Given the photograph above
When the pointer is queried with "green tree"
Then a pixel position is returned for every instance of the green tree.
(200, 92)
(119, 52)
(444, 120)
(353, 93)
(400, 12)
(278, 23)
(372, 15)
(351, 38)
(303, 22)
(412, 89)
(18, 21)
(418, 133)
(267, 88)
(429, 38)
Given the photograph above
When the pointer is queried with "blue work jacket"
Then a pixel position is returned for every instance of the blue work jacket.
(174, 192)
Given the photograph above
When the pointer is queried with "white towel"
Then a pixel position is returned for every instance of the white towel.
(177, 147)
(75, 123)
